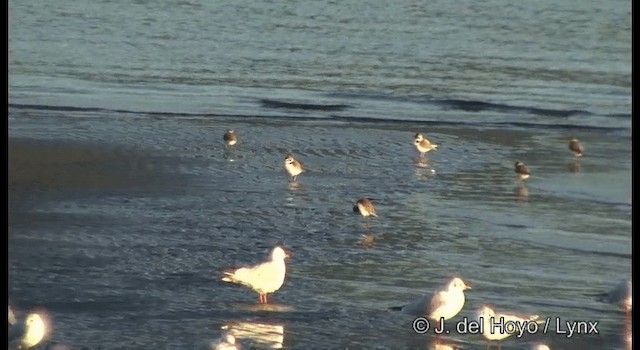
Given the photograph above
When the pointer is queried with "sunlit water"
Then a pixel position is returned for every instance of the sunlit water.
(123, 235)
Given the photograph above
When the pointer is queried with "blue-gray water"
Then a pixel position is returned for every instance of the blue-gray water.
(125, 208)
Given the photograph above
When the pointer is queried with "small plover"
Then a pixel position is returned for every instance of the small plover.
(293, 167)
(522, 170)
(263, 278)
(576, 147)
(365, 208)
(423, 145)
(230, 137)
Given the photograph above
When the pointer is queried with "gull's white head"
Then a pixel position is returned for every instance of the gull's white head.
(279, 254)
(230, 339)
(457, 284)
(486, 313)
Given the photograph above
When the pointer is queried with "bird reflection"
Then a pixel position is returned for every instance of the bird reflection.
(229, 153)
(522, 193)
(367, 240)
(437, 344)
(262, 335)
(423, 162)
(575, 167)
(294, 186)
(424, 168)
(226, 342)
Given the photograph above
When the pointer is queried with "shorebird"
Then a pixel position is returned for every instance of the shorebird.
(264, 278)
(365, 207)
(230, 137)
(27, 332)
(293, 167)
(576, 147)
(494, 325)
(423, 145)
(444, 303)
(522, 170)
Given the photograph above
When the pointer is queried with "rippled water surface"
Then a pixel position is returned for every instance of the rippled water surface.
(125, 207)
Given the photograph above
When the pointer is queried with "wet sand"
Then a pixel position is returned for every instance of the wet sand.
(105, 235)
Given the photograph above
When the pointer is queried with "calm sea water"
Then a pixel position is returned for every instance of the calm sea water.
(125, 208)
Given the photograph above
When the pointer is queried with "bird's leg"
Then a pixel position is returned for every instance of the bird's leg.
(295, 178)
(265, 298)
(422, 155)
(261, 296)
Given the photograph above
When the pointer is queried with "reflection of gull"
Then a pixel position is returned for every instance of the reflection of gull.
(492, 323)
(226, 342)
(620, 295)
(267, 335)
(627, 336)
(27, 332)
(438, 346)
(539, 347)
(445, 303)
(263, 278)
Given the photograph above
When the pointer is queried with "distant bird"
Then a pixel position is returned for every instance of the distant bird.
(293, 167)
(264, 278)
(620, 295)
(522, 170)
(445, 302)
(365, 207)
(576, 147)
(423, 145)
(26, 333)
(230, 137)
(540, 347)
(492, 323)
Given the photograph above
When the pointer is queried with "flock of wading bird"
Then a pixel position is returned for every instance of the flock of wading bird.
(440, 305)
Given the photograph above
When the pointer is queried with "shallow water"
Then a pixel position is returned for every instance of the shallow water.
(125, 207)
